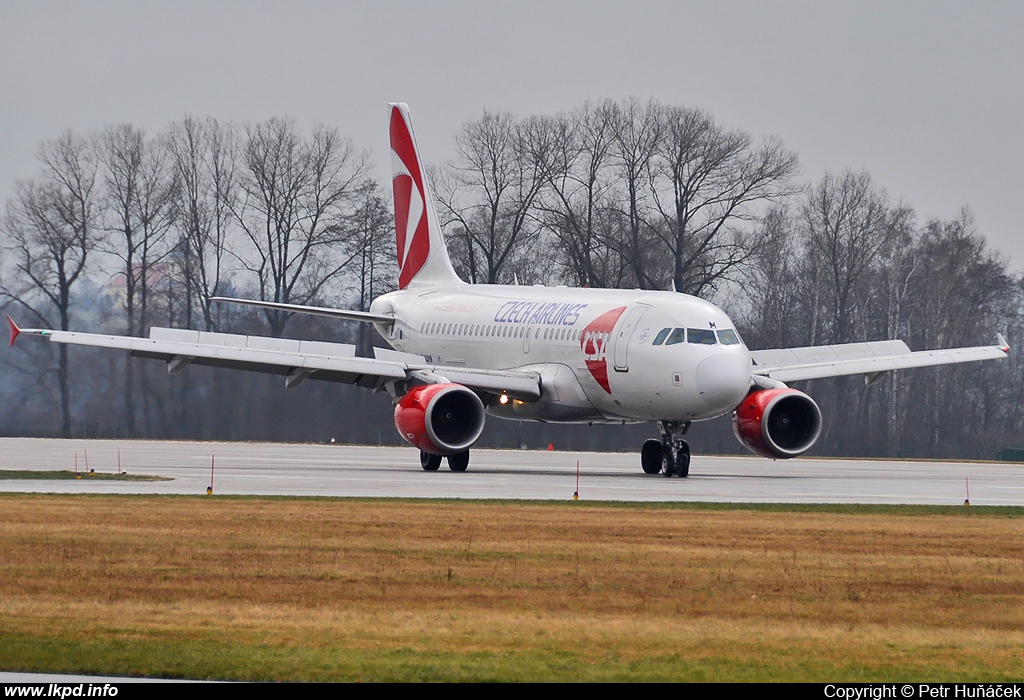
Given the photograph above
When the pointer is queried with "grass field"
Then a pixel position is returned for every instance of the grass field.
(62, 474)
(347, 589)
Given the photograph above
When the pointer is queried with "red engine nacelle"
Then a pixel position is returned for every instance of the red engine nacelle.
(777, 423)
(442, 419)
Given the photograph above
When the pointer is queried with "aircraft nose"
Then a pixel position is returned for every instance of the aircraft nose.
(723, 380)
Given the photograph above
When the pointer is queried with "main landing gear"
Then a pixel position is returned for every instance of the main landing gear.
(670, 455)
(457, 462)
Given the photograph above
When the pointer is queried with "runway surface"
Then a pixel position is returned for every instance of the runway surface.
(345, 470)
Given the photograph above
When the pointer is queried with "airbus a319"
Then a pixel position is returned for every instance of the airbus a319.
(556, 354)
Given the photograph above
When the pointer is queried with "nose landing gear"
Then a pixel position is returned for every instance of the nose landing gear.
(669, 456)
(679, 463)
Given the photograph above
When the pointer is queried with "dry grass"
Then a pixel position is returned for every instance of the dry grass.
(66, 474)
(381, 590)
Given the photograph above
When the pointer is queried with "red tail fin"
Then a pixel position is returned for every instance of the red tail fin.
(422, 255)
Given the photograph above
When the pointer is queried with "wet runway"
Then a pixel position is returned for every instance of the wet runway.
(345, 470)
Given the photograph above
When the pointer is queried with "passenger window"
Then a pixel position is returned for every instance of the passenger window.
(728, 337)
(699, 336)
(662, 334)
(678, 335)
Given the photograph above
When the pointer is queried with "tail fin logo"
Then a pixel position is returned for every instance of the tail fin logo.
(411, 223)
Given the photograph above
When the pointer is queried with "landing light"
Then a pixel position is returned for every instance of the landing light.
(503, 399)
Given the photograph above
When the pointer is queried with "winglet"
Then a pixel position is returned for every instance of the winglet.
(1003, 345)
(14, 330)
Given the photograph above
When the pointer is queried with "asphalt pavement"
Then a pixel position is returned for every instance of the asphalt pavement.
(346, 470)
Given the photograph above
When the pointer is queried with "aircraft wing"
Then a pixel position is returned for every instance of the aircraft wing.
(296, 360)
(873, 359)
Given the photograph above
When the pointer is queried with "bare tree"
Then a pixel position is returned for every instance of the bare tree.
(139, 189)
(770, 283)
(575, 203)
(374, 259)
(707, 184)
(847, 225)
(487, 193)
(52, 225)
(205, 159)
(963, 297)
(298, 197)
(897, 269)
(638, 133)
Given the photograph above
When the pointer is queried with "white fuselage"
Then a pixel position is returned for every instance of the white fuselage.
(593, 348)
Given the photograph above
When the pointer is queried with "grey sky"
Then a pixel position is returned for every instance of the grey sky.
(927, 96)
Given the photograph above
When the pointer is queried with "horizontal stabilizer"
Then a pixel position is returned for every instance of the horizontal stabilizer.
(343, 314)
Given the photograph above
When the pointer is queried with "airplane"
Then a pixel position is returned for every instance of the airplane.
(557, 354)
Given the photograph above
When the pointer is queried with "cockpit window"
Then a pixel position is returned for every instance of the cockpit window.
(662, 334)
(677, 336)
(700, 336)
(728, 337)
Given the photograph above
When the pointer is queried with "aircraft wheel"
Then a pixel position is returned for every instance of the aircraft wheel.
(683, 461)
(668, 463)
(429, 462)
(650, 456)
(459, 461)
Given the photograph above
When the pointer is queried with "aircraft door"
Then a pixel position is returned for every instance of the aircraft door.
(625, 333)
(526, 340)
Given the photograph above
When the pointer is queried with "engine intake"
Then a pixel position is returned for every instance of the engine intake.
(777, 423)
(441, 419)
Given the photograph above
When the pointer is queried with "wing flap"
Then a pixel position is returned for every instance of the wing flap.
(828, 353)
(254, 342)
(517, 384)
